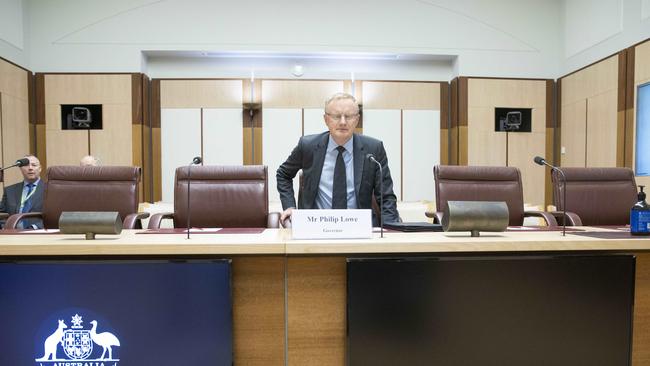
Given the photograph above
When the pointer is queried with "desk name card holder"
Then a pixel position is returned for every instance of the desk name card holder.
(331, 224)
(475, 216)
(90, 223)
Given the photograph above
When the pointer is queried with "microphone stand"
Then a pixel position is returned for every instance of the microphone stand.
(381, 195)
(541, 161)
(196, 160)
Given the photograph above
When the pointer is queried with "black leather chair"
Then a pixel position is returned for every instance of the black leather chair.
(483, 183)
(89, 188)
(595, 196)
(221, 196)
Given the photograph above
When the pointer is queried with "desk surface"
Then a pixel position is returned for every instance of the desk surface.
(279, 242)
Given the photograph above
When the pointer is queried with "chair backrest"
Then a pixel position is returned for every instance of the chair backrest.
(222, 196)
(481, 183)
(600, 196)
(90, 188)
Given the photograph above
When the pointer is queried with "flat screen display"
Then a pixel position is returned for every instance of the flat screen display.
(491, 311)
(116, 313)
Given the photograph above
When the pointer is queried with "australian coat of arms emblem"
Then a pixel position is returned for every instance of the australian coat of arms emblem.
(77, 343)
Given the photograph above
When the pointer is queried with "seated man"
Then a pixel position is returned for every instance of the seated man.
(336, 171)
(26, 196)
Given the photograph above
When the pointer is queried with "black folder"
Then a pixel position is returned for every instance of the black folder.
(412, 226)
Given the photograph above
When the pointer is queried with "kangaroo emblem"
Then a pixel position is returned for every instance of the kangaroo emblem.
(104, 339)
(52, 342)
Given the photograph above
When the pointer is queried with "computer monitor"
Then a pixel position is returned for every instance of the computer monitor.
(565, 310)
(116, 313)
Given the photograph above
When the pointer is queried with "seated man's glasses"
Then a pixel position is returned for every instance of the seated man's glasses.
(339, 117)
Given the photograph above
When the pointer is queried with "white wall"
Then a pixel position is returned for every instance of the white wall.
(593, 30)
(13, 31)
(491, 38)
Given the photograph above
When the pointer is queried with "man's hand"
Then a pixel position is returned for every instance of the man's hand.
(286, 215)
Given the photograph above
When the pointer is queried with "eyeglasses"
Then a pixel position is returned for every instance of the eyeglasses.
(339, 117)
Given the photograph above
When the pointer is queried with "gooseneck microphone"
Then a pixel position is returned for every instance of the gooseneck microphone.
(541, 161)
(197, 160)
(371, 157)
(18, 163)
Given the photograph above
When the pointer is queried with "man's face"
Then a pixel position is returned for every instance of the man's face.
(32, 171)
(341, 118)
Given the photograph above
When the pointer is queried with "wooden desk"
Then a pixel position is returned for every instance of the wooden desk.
(296, 290)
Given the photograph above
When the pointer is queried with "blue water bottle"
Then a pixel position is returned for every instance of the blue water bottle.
(640, 216)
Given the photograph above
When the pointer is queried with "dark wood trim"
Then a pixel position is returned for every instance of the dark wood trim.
(445, 123)
(39, 97)
(401, 153)
(155, 103)
(15, 64)
(453, 123)
(463, 94)
(621, 108)
(630, 92)
(557, 133)
(550, 103)
(31, 106)
(136, 99)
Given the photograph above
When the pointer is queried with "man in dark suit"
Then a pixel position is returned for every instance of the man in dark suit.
(336, 171)
(26, 196)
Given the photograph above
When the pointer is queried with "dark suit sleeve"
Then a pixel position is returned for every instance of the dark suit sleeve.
(390, 213)
(285, 174)
(3, 204)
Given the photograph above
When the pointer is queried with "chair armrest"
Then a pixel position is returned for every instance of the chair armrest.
(435, 215)
(273, 220)
(132, 221)
(548, 217)
(572, 218)
(13, 220)
(154, 221)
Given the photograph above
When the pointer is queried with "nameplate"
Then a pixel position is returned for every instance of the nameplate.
(331, 224)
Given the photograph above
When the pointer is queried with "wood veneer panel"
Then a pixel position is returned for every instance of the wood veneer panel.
(574, 134)
(14, 81)
(602, 129)
(258, 311)
(298, 93)
(401, 95)
(114, 143)
(15, 134)
(208, 93)
(157, 168)
(316, 293)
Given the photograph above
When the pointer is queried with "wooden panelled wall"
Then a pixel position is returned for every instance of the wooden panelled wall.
(277, 95)
(123, 137)
(15, 128)
(479, 144)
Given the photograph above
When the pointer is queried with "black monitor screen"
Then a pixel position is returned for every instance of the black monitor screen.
(568, 310)
(116, 313)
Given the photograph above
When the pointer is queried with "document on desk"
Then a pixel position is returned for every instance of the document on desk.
(331, 224)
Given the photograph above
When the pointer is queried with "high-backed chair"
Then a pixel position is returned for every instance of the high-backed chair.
(221, 196)
(595, 196)
(483, 183)
(89, 188)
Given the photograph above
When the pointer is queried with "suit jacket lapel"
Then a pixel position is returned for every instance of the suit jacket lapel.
(359, 159)
(319, 160)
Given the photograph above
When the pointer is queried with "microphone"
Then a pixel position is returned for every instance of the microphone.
(371, 157)
(197, 160)
(18, 163)
(541, 161)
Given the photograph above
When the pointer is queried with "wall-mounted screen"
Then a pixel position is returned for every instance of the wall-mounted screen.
(642, 150)
(512, 119)
(81, 116)
(116, 313)
(534, 311)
